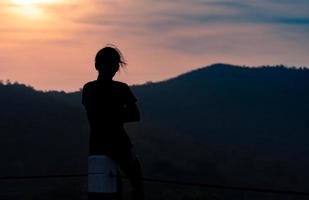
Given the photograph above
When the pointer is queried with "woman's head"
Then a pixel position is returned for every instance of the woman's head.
(108, 61)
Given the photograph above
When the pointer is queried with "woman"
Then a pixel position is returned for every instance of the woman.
(109, 104)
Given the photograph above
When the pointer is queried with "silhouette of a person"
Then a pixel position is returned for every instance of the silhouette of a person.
(109, 104)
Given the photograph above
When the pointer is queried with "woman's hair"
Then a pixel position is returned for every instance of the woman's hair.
(109, 55)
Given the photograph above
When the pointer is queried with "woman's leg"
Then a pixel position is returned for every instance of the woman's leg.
(131, 167)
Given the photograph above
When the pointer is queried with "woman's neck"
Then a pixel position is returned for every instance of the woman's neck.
(104, 78)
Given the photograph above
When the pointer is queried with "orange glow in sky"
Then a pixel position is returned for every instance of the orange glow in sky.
(51, 44)
(32, 2)
(32, 8)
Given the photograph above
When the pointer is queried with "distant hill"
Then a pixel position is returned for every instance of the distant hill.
(222, 124)
(222, 121)
(38, 127)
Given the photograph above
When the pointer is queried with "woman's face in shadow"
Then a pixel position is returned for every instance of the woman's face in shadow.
(109, 69)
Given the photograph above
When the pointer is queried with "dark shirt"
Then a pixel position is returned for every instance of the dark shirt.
(104, 102)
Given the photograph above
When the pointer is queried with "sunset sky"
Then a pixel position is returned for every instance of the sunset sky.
(51, 44)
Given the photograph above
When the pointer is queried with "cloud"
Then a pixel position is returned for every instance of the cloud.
(160, 38)
(167, 16)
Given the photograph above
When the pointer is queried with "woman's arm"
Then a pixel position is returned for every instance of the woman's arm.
(131, 113)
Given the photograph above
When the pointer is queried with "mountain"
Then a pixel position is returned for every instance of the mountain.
(220, 124)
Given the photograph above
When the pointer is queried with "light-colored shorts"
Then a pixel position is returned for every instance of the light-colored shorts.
(102, 173)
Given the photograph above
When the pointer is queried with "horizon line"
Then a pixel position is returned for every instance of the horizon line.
(12, 82)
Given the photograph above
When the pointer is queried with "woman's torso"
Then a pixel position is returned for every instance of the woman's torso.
(104, 102)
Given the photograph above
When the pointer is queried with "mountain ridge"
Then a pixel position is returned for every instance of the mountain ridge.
(199, 70)
(224, 66)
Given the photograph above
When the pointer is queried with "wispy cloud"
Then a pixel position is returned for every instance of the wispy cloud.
(160, 38)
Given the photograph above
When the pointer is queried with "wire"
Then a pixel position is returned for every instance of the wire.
(153, 180)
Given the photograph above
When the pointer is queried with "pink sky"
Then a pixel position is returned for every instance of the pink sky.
(51, 45)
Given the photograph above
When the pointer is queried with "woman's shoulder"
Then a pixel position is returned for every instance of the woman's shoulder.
(125, 90)
(89, 84)
(117, 84)
(120, 84)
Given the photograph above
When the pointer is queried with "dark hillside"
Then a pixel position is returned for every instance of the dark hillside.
(39, 132)
(230, 118)
(220, 124)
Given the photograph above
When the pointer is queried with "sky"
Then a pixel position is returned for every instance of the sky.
(51, 44)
